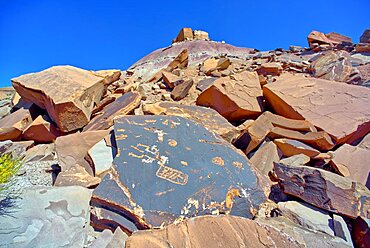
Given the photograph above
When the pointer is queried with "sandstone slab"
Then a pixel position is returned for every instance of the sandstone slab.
(169, 167)
(181, 90)
(291, 147)
(324, 189)
(12, 126)
(209, 118)
(41, 130)
(335, 108)
(47, 217)
(67, 93)
(102, 157)
(122, 106)
(236, 97)
(212, 231)
(265, 157)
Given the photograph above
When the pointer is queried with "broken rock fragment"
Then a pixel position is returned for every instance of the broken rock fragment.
(169, 167)
(236, 97)
(324, 189)
(41, 130)
(12, 126)
(336, 108)
(291, 147)
(181, 90)
(67, 93)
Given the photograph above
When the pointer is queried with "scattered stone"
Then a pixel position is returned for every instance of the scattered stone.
(181, 90)
(122, 106)
(227, 231)
(205, 83)
(209, 118)
(41, 130)
(41, 152)
(335, 108)
(72, 150)
(67, 93)
(12, 126)
(181, 167)
(353, 162)
(333, 65)
(46, 217)
(236, 97)
(324, 189)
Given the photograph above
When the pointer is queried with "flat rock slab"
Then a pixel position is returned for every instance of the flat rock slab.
(324, 189)
(169, 167)
(12, 126)
(208, 117)
(122, 106)
(339, 109)
(212, 231)
(66, 92)
(46, 217)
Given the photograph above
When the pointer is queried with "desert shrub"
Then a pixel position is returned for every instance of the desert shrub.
(8, 168)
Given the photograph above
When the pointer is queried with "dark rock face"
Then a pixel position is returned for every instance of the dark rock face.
(169, 167)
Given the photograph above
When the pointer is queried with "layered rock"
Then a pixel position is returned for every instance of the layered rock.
(236, 98)
(169, 167)
(67, 93)
(336, 108)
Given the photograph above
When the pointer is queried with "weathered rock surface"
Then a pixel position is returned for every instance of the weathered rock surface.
(361, 232)
(291, 147)
(101, 156)
(332, 65)
(41, 130)
(183, 169)
(209, 118)
(353, 162)
(72, 150)
(336, 108)
(107, 239)
(122, 106)
(6, 97)
(213, 231)
(265, 157)
(236, 98)
(324, 189)
(12, 126)
(181, 90)
(365, 37)
(66, 92)
(46, 217)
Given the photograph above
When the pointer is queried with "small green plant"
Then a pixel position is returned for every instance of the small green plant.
(8, 168)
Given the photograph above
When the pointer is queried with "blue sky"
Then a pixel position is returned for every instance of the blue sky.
(37, 34)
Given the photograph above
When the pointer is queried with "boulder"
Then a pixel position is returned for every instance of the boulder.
(316, 38)
(291, 147)
(332, 65)
(353, 162)
(263, 159)
(184, 35)
(365, 37)
(212, 64)
(236, 97)
(212, 231)
(169, 167)
(363, 47)
(200, 35)
(336, 108)
(324, 189)
(170, 79)
(207, 117)
(67, 93)
(46, 217)
(12, 126)
(41, 130)
(72, 150)
(315, 219)
(271, 68)
(181, 90)
(41, 152)
(122, 106)
(6, 97)
(338, 37)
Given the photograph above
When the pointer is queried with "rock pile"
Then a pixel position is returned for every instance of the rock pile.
(197, 144)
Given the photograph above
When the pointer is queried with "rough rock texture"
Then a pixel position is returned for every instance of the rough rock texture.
(122, 106)
(101, 156)
(198, 51)
(71, 151)
(265, 157)
(332, 65)
(12, 126)
(212, 231)
(353, 162)
(324, 189)
(41, 130)
(291, 147)
(181, 90)
(169, 167)
(66, 92)
(236, 97)
(107, 239)
(209, 118)
(336, 108)
(365, 37)
(361, 232)
(46, 217)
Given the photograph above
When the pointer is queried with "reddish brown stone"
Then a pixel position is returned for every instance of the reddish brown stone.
(11, 126)
(361, 232)
(291, 147)
(41, 130)
(324, 189)
(181, 90)
(365, 37)
(317, 38)
(226, 231)
(363, 47)
(236, 97)
(170, 79)
(122, 106)
(184, 34)
(336, 108)
(271, 68)
(338, 37)
(265, 157)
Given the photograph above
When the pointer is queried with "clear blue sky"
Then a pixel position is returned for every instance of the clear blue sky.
(37, 34)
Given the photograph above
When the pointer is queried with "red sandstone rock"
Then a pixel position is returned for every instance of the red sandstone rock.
(11, 126)
(41, 130)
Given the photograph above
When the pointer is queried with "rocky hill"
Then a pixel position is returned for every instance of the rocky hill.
(199, 144)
